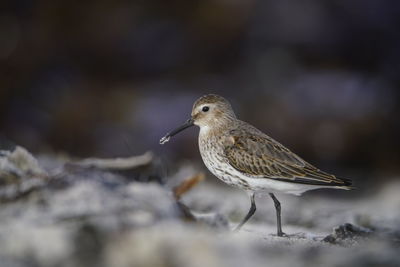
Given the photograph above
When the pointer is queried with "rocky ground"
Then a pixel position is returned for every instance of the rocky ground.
(124, 212)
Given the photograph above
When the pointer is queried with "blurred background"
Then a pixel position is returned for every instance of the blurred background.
(108, 78)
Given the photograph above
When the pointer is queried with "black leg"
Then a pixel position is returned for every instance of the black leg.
(249, 214)
(278, 214)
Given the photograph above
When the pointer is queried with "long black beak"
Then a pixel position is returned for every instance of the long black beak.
(187, 124)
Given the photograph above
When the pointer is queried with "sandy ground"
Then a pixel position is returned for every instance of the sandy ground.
(62, 215)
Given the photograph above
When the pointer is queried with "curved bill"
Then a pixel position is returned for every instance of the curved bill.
(187, 124)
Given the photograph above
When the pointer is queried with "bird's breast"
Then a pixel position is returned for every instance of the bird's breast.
(212, 153)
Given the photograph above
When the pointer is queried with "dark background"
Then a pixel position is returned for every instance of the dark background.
(108, 78)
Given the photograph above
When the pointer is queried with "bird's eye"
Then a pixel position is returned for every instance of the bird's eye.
(205, 109)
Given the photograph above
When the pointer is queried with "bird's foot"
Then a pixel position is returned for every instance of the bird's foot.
(295, 235)
(282, 234)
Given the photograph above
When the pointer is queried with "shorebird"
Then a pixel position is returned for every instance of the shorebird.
(242, 156)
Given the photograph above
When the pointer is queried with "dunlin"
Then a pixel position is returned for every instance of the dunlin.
(244, 157)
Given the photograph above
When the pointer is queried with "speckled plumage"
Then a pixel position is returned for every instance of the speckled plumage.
(249, 151)
(242, 156)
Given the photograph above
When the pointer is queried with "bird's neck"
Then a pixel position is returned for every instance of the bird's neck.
(216, 129)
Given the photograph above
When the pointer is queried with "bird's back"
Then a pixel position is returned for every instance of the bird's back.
(257, 155)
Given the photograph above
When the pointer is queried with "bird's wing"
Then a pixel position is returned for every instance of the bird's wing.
(258, 155)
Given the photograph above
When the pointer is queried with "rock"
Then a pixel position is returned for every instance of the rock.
(69, 222)
(20, 174)
(116, 163)
(18, 164)
(348, 232)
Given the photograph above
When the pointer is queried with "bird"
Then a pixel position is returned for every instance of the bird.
(244, 157)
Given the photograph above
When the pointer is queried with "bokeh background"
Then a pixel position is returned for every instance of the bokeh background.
(108, 78)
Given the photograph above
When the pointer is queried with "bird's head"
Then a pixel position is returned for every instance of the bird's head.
(208, 112)
(212, 111)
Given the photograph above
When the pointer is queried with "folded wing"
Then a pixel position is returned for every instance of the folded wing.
(260, 156)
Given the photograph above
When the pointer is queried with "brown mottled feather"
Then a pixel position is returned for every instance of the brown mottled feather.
(255, 154)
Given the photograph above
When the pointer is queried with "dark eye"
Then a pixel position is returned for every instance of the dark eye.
(205, 109)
